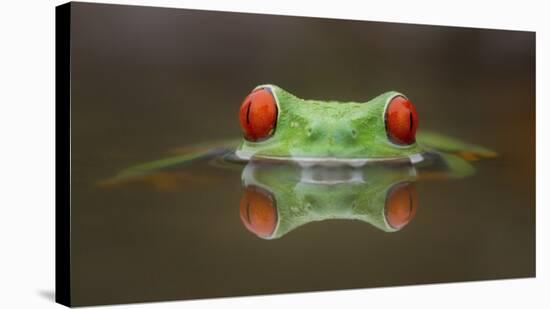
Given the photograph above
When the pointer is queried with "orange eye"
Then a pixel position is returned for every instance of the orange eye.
(258, 115)
(401, 121)
(401, 204)
(258, 211)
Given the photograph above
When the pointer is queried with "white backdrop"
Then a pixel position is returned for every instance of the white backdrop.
(27, 152)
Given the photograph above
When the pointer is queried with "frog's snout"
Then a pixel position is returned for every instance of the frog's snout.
(332, 134)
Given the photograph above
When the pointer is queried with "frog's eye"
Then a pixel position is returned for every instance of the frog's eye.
(401, 204)
(258, 115)
(401, 121)
(258, 211)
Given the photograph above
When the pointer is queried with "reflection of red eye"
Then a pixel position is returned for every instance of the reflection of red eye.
(258, 211)
(258, 115)
(401, 204)
(401, 121)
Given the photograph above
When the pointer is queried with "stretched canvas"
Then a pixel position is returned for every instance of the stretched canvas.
(210, 154)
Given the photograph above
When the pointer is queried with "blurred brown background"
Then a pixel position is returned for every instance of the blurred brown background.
(146, 80)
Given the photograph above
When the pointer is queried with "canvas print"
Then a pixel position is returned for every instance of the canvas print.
(210, 154)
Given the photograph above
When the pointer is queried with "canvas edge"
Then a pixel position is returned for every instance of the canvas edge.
(62, 154)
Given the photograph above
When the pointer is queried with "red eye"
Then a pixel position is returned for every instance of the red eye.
(258, 115)
(258, 211)
(401, 204)
(401, 121)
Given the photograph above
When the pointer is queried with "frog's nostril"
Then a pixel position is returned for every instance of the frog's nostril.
(343, 134)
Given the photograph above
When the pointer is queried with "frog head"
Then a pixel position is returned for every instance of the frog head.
(277, 124)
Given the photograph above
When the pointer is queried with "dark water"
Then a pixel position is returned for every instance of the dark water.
(146, 81)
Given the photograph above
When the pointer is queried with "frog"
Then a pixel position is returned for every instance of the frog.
(279, 126)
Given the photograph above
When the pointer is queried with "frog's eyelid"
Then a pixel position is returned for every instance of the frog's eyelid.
(390, 98)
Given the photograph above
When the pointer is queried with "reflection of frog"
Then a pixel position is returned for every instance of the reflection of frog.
(279, 197)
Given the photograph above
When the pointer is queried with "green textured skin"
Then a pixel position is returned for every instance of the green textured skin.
(300, 202)
(311, 128)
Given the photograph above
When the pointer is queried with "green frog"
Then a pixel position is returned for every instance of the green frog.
(277, 125)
